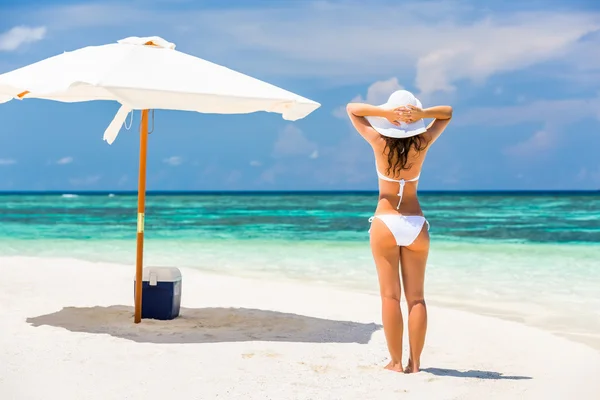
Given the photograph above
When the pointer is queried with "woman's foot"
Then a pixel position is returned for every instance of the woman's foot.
(392, 366)
(411, 367)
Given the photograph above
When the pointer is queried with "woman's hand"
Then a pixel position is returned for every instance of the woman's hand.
(393, 115)
(411, 114)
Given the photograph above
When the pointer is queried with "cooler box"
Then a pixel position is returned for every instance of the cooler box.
(161, 292)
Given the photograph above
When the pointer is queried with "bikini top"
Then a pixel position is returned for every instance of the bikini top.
(401, 182)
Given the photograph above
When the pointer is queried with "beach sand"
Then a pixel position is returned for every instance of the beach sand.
(67, 332)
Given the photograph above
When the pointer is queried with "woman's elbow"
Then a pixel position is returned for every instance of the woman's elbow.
(351, 108)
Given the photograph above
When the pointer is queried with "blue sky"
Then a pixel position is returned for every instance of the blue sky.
(524, 81)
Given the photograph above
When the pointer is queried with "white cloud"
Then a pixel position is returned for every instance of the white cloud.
(314, 155)
(377, 93)
(255, 163)
(582, 62)
(20, 35)
(173, 161)
(540, 141)
(478, 50)
(554, 112)
(346, 42)
(553, 115)
(65, 161)
(292, 142)
(442, 49)
(7, 161)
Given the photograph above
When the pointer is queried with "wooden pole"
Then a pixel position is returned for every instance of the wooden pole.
(139, 262)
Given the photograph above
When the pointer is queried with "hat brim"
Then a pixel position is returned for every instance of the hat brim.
(386, 128)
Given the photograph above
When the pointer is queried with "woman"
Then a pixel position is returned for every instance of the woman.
(399, 232)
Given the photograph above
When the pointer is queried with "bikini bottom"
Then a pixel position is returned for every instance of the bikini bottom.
(405, 228)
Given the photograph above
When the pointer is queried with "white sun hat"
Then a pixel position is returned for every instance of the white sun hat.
(397, 99)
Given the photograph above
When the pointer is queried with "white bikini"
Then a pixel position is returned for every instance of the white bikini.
(405, 228)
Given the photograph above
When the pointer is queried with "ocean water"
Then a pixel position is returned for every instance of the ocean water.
(533, 258)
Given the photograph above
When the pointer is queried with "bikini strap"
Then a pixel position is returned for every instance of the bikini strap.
(401, 183)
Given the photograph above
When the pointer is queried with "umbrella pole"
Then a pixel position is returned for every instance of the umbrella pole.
(140, 216)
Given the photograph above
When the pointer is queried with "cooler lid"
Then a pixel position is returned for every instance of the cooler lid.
(161, 274)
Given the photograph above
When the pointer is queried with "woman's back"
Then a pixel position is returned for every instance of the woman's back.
(398, 187)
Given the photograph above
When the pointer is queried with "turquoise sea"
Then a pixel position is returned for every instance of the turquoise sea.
(531, 257)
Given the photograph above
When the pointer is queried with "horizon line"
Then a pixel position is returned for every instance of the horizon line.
(307, 191)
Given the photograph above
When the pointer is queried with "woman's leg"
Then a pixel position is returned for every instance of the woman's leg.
(386, 254)
(413, 260)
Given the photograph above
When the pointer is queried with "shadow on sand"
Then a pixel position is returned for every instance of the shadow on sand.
(472, 374)
(208, 325)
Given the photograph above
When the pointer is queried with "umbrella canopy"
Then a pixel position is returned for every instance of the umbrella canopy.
(148, 73)
(142, 74)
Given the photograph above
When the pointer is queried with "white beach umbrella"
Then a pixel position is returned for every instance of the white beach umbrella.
(144, 74)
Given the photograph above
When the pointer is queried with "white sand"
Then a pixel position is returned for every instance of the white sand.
(67, 332)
